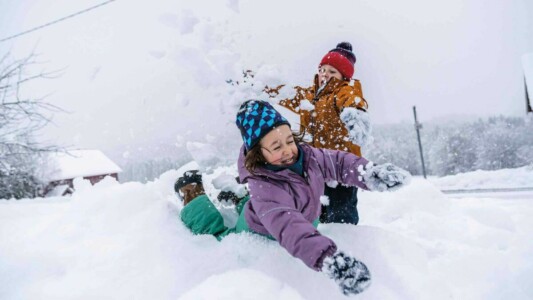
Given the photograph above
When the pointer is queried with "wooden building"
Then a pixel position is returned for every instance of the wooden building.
(92, 165)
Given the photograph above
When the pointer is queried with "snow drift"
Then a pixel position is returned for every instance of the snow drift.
(124, 241)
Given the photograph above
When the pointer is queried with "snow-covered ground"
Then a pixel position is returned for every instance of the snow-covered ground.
(504, 178)
(125, 241)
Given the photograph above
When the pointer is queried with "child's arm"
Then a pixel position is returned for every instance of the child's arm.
(302, 240)
(353, 108)
(341, 166)
(294, 103)
(351, 96)
(275, 209)
(202, 217)
(353, 170)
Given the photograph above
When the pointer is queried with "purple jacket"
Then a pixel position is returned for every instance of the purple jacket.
(285, 204)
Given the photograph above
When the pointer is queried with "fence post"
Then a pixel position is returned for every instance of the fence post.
(418, 126)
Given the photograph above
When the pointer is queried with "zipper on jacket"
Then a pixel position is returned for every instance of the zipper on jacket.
(306, 177)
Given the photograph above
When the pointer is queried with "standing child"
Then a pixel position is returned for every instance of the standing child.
(333, 116)
(286, 180)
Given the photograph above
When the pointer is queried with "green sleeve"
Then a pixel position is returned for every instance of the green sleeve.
(241, 203)
(202, 217)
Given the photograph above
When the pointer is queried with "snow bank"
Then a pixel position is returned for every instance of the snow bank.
(124, 241)
(504, 178)
(224, 287)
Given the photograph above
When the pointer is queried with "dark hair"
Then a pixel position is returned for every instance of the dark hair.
(254, 157)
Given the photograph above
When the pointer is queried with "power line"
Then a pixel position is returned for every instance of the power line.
(57, 21)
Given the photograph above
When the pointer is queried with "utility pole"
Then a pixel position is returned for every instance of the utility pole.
(418, 126)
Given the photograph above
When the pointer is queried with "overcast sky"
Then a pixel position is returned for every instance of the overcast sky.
(140, 73)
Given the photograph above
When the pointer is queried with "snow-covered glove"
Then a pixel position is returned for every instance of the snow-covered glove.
(351, 275)
(357, 123)
(228, 183)
(385, 177)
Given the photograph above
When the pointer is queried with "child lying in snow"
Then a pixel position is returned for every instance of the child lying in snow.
(286, 179)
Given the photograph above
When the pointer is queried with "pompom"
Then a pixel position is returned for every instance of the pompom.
(346, 49)
(345, 46)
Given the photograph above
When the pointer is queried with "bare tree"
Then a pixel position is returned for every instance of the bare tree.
(20, 119)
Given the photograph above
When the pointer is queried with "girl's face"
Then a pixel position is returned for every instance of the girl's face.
(278, 146)
(325, 72)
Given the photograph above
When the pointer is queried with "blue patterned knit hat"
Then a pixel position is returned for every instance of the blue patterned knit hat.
(255, 119)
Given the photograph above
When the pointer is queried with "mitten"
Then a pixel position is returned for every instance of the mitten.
(357, 122)
(351, 275)
(228, 196)
(385, 177)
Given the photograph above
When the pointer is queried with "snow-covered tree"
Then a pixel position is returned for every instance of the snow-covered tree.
(499, 147)
(452, 151)
(451, 148)
(396, 144)
(20, 119)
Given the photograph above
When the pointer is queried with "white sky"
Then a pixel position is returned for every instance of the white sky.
(144, 74)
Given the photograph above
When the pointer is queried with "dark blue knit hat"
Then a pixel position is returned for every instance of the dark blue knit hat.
(255, 119)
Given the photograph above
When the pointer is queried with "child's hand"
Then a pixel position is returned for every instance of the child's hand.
(357, 123)
(351, 275)
(385, 177)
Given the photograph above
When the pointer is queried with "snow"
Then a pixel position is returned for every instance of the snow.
(324, 200)
(223, 287)
(125, 240)
(504, 178)
(206, 155)
(80, 163)
(293, 118)
(58, 190)
(306, 105)
(226, 182)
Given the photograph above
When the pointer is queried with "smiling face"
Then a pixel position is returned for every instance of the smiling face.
(325, 72)
(279, 147)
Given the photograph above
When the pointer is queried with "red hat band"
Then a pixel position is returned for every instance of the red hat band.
(339, 62)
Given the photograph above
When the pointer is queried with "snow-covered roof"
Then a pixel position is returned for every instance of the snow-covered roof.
(80, 163)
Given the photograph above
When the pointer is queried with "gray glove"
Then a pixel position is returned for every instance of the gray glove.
(351, 275)
(385, 177)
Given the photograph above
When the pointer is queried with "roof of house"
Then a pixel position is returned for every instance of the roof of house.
(80, 163)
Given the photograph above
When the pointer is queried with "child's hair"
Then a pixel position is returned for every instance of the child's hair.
(254, 157)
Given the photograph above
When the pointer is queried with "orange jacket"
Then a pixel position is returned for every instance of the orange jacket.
(323, 123)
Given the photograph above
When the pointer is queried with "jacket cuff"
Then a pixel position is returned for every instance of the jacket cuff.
(328, 252)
